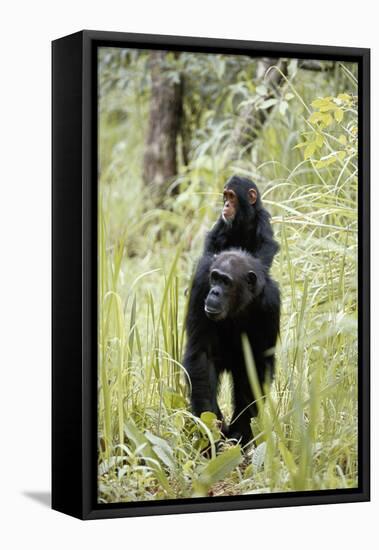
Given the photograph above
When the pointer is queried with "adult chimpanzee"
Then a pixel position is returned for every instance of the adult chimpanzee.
(243, 223)
(240, 298)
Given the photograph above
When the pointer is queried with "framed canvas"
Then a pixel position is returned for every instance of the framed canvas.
(211, 277)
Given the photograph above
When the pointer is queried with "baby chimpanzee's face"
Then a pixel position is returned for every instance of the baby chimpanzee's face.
(235, 198)
(230, 205)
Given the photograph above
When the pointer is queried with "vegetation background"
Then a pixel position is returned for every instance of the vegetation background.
(172, 128)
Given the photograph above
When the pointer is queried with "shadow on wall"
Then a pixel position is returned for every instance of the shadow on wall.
(42, 497)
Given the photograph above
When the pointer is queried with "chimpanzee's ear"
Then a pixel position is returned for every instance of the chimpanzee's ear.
(252, 278)
(252, 194)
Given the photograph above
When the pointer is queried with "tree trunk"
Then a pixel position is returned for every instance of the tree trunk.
(160, 162)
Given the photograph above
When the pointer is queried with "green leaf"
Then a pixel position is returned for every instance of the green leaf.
(138, 438)
(288, 458)
(283, 106)
(342, 139)
(324, 104)
(160, 442)
(329, 107)
(315, 117)
(211, 422)
(300, 145)
(346, 98)
(173, 400)
(325, 119)
(341, 154)
(218, 468)
(151, 456)
(188, 467)
(319, 140)
(338, 115)
(261, 90)
(209, 418)
(268, 103)
(164, 457)
(309, 150)
(259, 456)
(317, 103)
(252, 371)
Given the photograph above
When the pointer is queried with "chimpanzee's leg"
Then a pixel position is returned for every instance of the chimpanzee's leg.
(244, 409)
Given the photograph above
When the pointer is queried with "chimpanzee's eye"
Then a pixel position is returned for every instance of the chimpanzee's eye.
(215, 276)
(226, 281)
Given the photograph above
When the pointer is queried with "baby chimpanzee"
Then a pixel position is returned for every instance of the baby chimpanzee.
(243, 223)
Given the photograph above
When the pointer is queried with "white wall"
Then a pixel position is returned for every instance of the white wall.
(26, 31)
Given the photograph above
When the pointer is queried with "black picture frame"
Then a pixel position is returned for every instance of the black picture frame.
(74, 273)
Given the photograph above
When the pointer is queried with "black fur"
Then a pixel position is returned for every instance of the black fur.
(250, 305)
(250, 230)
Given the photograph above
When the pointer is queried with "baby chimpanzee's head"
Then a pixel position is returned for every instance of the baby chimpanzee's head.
(241, 200)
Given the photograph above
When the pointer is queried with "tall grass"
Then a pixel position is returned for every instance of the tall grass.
(305, 437)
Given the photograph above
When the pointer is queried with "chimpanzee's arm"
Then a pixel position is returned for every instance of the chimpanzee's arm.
(203, 382)
(264, 346)
(266, 251)
(262, 242)
(196, 362)
(216, 240)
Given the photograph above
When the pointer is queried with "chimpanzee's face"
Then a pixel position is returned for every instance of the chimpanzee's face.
(220, 296)
(232, 287)
(231, 206)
